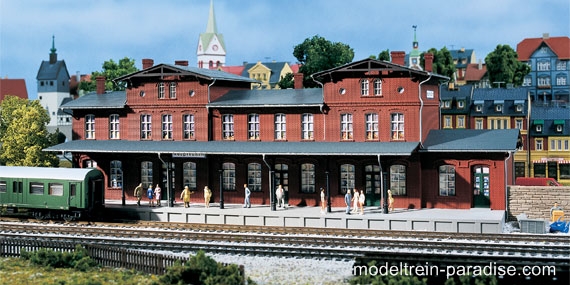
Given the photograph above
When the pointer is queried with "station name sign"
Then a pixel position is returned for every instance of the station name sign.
(188, 155)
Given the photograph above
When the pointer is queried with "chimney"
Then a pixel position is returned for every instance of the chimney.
(545, 36)
(398, 57)
(298, 80)
(181, 62)
(147, 62)
(100, 84)
(480, 64)
(428, 64)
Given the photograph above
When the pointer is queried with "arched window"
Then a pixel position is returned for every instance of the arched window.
(446, 180)
(364, 87)
(398, 179)
(377, 87)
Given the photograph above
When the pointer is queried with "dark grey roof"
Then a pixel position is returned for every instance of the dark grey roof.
(49, 71)
(270, 98)
(471, 140)
(460, 93)
(520, 93)
(238, 148)
(459, 54)
(549, 113)
(60, 111)
(169, 69)
(509, 98)
(549, 117)
(110, 100)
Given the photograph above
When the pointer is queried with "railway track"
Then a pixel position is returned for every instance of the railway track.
(308, 242)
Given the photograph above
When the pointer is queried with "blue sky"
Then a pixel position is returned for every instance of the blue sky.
(87, 33)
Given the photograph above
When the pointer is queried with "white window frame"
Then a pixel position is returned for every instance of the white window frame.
(167, 127)
(280, 126)
(253, 127)
(172, 90)
(377, 87)
(90, 127)
(188, 127)
(397, 126)
(146, 127)
(371, 126)
(307, 124)
(346, 126)
(228, 127)
(114, 131)
(364, 87)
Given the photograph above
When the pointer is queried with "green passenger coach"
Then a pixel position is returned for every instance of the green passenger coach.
(51, 193)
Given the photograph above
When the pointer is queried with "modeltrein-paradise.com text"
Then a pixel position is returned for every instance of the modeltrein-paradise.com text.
(453, 270)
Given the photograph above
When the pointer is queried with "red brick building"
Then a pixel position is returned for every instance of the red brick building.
(373, 126)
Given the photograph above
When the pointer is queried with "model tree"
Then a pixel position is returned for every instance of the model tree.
(442, 62)
(317, 54)
(503, 67)
(23, 134)
(287, 81)
(111, 70)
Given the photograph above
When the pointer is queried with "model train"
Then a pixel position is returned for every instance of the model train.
(51, 193)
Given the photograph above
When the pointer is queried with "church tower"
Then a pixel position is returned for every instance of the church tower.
(53, 87)
(414, 58)
(211, 52)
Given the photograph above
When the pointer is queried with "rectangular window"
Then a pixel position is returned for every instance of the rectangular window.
(478, 124)
(372, 179)
(543, 65)
(188, 127)
(146, 173)
(364, 88)
(3, 188)
(307, 127)
(497, 123)
(461, 122)
(371, 126)
(17, 187)
(527, 81)
(347, 181)
(172, 90)
(397, 126)
(519, 124)
(520, 169)
(561, 80)
(228, 127)
(114, 127)
(446, 180)
(229, 176)
(280, 127)
(55, 189)
(90, 127)
(146, 127)
(564, 170)
(561, 65)
(538, 144)
(189, 175)
(398, 180)
(346, 126)
(540, 170)
(161, 90)
(167, 127)
(253, 127)
(377, 87)
(254, 176)
(447, 122)
(116, 174)
(543, 81)
(307, 178)
(36, 188)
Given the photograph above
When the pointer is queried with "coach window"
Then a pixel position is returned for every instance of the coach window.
(346, 177)
(398, 180)
(17, 187)
(308, 178)
(146, 173)
(229, 176)
(3, 187)
(446, 180)
(254, 176)
(72, 189)
(36, 188)
(55, 189)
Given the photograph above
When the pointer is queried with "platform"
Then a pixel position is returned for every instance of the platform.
(439, 220)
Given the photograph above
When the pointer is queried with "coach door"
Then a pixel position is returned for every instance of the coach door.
(481, 187)
(73, 200)
(17, 195)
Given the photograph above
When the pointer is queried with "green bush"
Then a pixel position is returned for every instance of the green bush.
(78, 259)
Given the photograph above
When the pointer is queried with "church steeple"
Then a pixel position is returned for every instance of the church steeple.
(53, 55)
(211, 51)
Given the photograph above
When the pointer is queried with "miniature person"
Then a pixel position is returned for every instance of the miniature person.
(138, 193)
(554, 208)
(185, 196)
(322, 201)
(355, 200)
(157, 192)
(361, 200)
(390, 201)
(150, 195)
(347, 200)
(280, 195)
(246, 203)
(207, 196)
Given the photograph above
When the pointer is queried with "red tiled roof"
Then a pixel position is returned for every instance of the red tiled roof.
(473, 73)
(15, 87)
(559, 45)
(237, 69)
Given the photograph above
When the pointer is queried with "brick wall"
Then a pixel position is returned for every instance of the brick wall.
(536, 201)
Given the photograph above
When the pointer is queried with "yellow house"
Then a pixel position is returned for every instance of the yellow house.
(268, 73)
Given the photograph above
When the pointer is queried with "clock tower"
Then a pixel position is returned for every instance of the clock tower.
(211, 51)
(415, 53)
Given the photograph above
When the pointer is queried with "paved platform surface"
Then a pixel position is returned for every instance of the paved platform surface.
(440, 220)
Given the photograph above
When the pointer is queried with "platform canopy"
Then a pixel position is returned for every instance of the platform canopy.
(202, 148)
